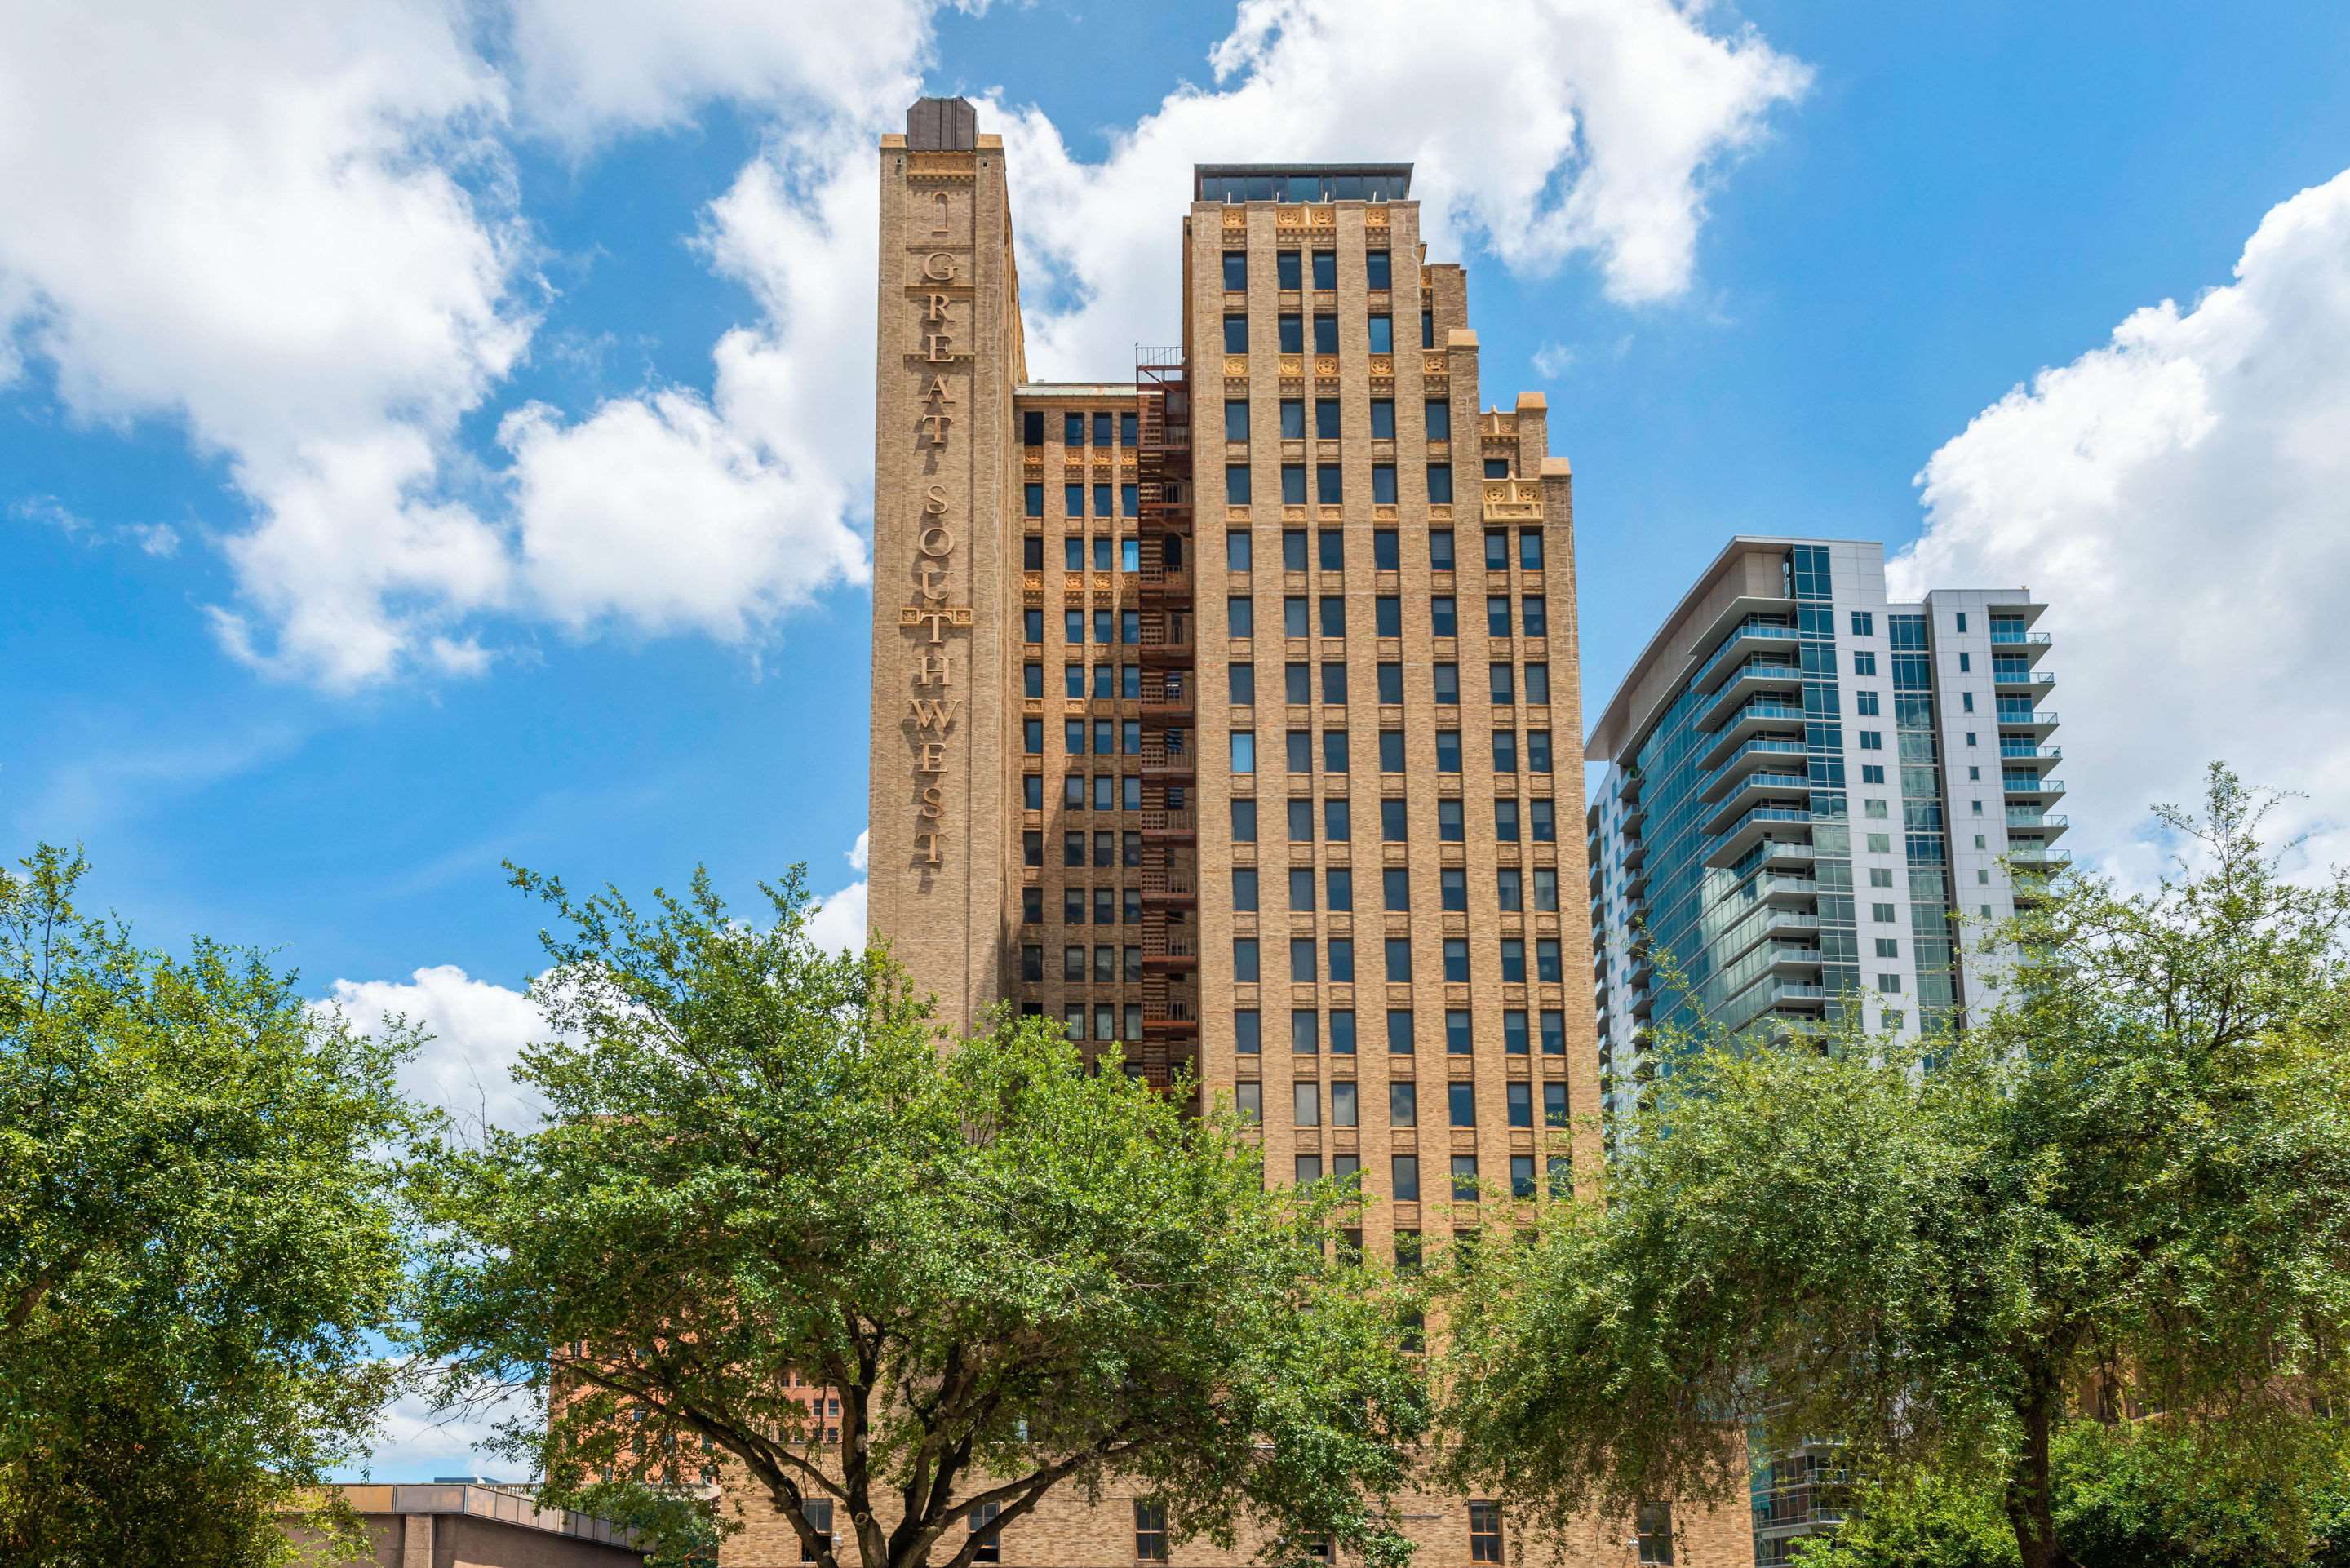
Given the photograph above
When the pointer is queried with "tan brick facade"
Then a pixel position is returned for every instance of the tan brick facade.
(1050, 610)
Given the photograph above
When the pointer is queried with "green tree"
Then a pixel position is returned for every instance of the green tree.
(765, 1166)
(2124, 1495)
(2135, 1175)
(198, 1238)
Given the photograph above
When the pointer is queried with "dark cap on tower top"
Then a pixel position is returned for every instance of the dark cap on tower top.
(941, 124)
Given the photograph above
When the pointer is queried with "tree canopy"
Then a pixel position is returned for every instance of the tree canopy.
(765, 1169)
(199, 1240)
(2127, 1189)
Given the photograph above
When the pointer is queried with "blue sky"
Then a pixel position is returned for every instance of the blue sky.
(373, 507)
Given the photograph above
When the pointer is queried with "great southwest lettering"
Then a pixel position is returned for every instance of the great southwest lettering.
(930, 712)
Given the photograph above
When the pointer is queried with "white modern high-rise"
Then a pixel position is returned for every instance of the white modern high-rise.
(1812, 788)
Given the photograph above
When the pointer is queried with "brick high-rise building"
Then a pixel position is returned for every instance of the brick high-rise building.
(1228, 711)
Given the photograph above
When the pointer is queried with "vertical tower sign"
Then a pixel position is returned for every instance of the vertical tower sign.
(949, 357)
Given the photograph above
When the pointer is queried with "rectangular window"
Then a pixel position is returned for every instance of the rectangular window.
(817, 1512)
(1289, 270)
(1246, 1039)
(1553, 1033)
(1398, 960)
(1334, 615)
(982, 1524)
(1485, 1533)
(1236, 486)
(1383, 419)
(1652, 1526)
(1399, 1041)
(1390, 751)
(1382, 334)
(1244, 887)
(1293, 489)
(1150, 1533)
(1387, 617)
(1342, 1113)
(1456, 960)
(1554, 1104)
(1236, 271)
(1326, 484)
(1377, 270)
(1404, 1178)
(1290, 332)
(1326, 419)
(1236, 420)
(1465, 1179)
(1439, 485)
(1244, 822)
(1235, 334)
(1032, 428)
(1128, 430)
(1325, 334)
(1383, 484)
(1342, 1042)
(1239, 684)
(1437, 415)
(1307, 1094)
(1326, 269)
(1244, 959)
(1237, 551)
(1239, 614)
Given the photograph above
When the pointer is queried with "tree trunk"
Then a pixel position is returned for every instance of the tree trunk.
(2028, 1501)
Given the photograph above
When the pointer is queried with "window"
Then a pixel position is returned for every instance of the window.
(1308, 1094)
(1334, 681)
(1505, 751)
(1333, 752)
(1513, 962)
(1449, 822)
(1881, 844)
(1537, 616)
(1236, 486)
(1439, 485)
(1530, 549)
(1235, 272)
(1865, 703)
(1383, 419)
(1073, 429)
(1513, 1037)
(1522, 1175)
(1404, 1178)
(1872, 740)
(1244, 887)
(1128, 430)
(1465, 1179)
(982, 1524)
(1452, 888)
(1382, 334)
(1864, 624)
(1326, 269)
(1032, 913)
(1290, 332)
(817, 1512)
(1246, 1038)
(1334, 615)
(1150, 1533)
(1236, 419)
(1439, 418)
(1301, 821)
(1443, 615)
(1301, 748)
(1652, 1526)
(1546, 888)
(1244, 822)
(1244, 959)
(1390, 751)
(1864, 661)
(1439, 549)
(1448, 751)
(1545, 824)
(1330, 550)
(1553, 1035)
(1386, 621)
(1889, 984)
(1102, 424)
(1546, 960)
(1554, 1103)
(1377, 270)
(1244, 751)
(1399, 1038)
(1445, 676)
(1391, 679)
(1326, 420)
(1073, 500)
(1398, 960)
(1032, 428)
(1342, 1111)
(1342, 959)
(1337, 824)
(1505, 821)
(1235, 334)
(1456, 960)
(1032, 626)
(1240, 680)
(1881, 913)
(1510, 888)
(1428, 329)
(1503, 684)
(1538, 683)
(1293, 616)
(1325, 334)
(1293, 494)
(1342, 1042)
(1485, 1533)
(1392, 825)
(1288, 270)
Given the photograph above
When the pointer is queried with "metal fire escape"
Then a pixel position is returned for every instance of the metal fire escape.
(1170, 875)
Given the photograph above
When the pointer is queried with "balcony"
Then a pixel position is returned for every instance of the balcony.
(1787, 958)
(1763, 754)
(1758, 789)
(1742, 641)
(1164, 951)
(1786, 890)
(2034, 723)
(2037, 683)
(1170, 885)
(1165, 763)
(2031, 857)
(1514, 501)
(1788, 854)
(1163, 582)
(2027, 751)
(1740, 725)
(1760, 822)
(1751, 678)
(2043, 825)
(1173, 824)
(1166, 649)
(2042, 789)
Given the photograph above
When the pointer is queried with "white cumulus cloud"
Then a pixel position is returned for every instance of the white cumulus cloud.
(2177, 497)
(1539, 130)
(838, 922)
(478, 1028)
